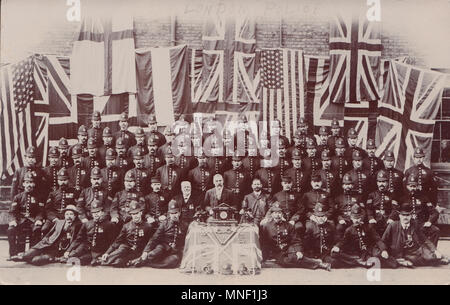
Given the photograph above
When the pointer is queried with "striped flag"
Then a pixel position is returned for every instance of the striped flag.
(163, 83)
(102, 60)
(407, 112)
(318, 109)
(282, 88)
(16, 94)
(355, 50)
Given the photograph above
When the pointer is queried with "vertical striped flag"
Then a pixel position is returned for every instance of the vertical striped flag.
(163, 83)
(282, 88)
(16, 94)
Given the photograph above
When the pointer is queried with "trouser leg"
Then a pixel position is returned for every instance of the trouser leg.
(12, 241)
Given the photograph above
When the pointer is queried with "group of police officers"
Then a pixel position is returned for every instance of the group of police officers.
(127, 199)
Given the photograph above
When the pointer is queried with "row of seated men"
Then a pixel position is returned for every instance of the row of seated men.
(97, 237)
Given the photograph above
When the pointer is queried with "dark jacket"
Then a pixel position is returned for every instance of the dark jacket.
(392, 237)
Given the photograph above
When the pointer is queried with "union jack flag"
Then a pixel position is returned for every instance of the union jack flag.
(355, 50)
(407, 112)
(226, 70)
(318, 109)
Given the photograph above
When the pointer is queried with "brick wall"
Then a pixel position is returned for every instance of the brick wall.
(304, 26)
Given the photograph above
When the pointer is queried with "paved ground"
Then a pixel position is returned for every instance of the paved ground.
(21, 273)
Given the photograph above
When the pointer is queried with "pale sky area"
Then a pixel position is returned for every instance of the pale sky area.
(425, 23)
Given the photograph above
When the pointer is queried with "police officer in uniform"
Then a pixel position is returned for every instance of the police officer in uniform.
(312, 162)
(361, 242)
(26, 214)
(255, 204)
(93, 159)
(217, 162)
(184, 158)
(51, 171)
(94, 192)
(381, 207)
(352, 139)
(111, 175)
(169, 137)
(153, 131)
(165, 247)
(425, 178)
(131, 240)
(140, 172)
(344, 203)
(320, 236)
(123, 133)
(65, 151)
(58, 200)
(108, 142)
(395, 177)
(201, 177)
(82, 140)
(269, 176)
(30, 167)
(156, 202)
(423, 210)
(169, 175)
(335, 134)
(372, 164)
(359, 175)
(323, 141)
(123, 162)
(94, 237)
(78, 174)
(283, 159)
(237, 180)
(339, 163)
(316, 194)
(252, 161)
(300, 181)
(151, 161)
(96, 131)
(280, 241)
(120, 204)
(140, 142)
(329, 178)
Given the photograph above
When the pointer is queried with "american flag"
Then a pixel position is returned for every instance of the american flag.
(16, 94)
(407, 112)
(355, 50)
(282, 88)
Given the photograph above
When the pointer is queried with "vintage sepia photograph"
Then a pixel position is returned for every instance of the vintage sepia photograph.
(225, 143)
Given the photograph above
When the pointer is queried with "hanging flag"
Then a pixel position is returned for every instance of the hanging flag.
(282, 88)
(407, 112)
(225, 73)
(318, 109)
(163, 83)
(355, 50)
(384, 69)
(102, 61)
(16, 95)
(362, 117)
(53, 97)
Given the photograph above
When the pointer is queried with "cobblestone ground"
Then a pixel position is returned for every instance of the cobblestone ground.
(21, 273)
